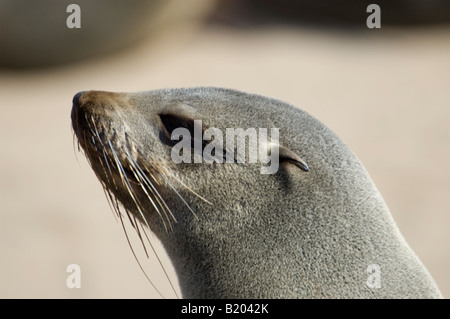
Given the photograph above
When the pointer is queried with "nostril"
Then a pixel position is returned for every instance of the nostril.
(76, 98)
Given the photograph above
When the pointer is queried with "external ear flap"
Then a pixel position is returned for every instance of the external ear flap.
(287, 155)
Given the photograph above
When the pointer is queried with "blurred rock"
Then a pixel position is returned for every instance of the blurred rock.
(327, 12)
(35, 33)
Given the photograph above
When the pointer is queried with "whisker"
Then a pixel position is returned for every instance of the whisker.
(170, 184)
(135, 224)
(160, 262)
(102, 153)
(75, 141)
(187, 187)
(126, 182)
(140, 176)
(144, 181)
(151, 199)
(105, 156)
(136, 258)
(139, 235)
(144, 156)
(109, 198)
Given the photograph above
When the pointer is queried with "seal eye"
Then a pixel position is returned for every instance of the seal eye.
(172, 122)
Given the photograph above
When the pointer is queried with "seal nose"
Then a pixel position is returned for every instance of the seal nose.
(76, 109)
(76, 99)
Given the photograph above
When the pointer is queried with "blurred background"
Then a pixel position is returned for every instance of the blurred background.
(385, 92)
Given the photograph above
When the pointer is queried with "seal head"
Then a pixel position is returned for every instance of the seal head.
(312, 229)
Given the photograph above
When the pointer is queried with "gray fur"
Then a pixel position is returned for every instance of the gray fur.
(293, 234)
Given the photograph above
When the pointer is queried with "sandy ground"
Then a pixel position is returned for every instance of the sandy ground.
(386, 94)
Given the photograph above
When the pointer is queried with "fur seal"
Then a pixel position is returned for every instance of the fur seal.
(316, 231)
